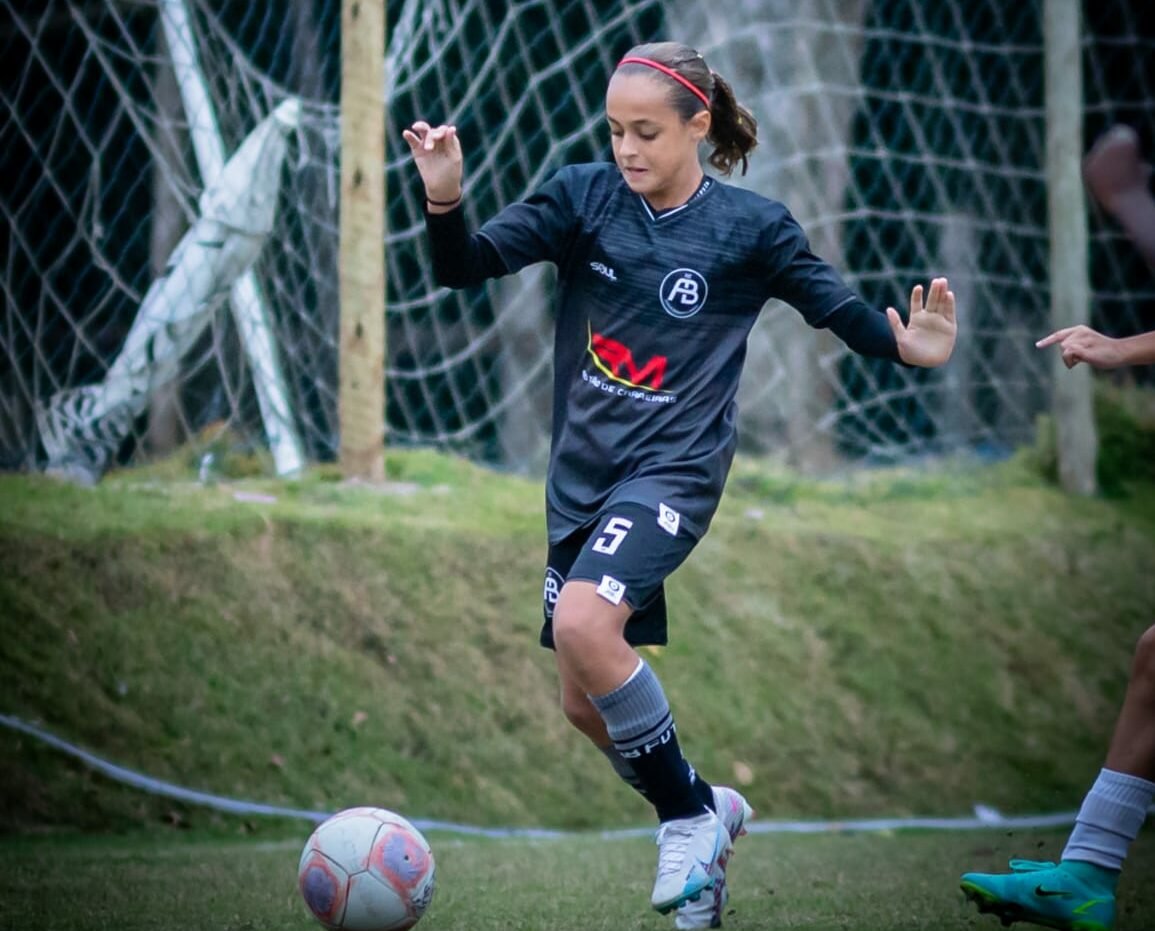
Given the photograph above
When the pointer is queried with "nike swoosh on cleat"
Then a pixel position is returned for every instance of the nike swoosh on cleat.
(1051, 893)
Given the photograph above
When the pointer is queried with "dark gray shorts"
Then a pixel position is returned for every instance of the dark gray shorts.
(627, 552)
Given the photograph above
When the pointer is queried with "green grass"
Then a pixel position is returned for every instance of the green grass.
(906, 642)
(901, 642)
(902, 882)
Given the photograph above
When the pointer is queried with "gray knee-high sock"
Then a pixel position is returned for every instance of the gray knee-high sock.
(1111, 816)
(641, 726)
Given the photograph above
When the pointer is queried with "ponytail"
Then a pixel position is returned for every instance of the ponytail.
(733, 129)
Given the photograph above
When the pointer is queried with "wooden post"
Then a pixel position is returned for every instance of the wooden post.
(1072, 403)
(362, 261)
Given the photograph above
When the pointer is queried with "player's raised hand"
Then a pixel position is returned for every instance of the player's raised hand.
(1114, 171)
(928, 337)
(1082, 344)
(437, 152)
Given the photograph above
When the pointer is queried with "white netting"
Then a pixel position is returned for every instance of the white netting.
(907, 137)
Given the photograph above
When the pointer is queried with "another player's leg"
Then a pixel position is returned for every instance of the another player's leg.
(588, 635)
(1078, 893)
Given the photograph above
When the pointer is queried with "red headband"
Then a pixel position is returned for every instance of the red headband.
(689, 85)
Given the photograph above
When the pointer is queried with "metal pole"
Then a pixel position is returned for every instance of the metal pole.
(249, 307)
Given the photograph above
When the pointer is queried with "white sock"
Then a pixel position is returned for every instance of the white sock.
(1112, 814)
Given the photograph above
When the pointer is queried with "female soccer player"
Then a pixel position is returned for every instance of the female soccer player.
(661, 274)
(1078, 893)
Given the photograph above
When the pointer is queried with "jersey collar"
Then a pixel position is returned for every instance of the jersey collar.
(657, 216)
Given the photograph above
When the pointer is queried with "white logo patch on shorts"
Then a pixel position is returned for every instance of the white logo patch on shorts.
(553, 584)
(612, 590)
(669, 519)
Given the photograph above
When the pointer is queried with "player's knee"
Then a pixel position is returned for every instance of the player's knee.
(579, 627)
(574, 630)
(1144, 666)
(580, 712)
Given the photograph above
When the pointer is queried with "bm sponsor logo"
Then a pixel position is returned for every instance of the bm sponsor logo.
(617, 362)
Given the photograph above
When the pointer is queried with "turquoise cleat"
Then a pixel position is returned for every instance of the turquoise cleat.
(1062, 896)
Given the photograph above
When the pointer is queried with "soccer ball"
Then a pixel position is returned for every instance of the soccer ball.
(366, 869)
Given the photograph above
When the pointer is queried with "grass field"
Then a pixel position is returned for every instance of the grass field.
(900, 882)
(911, 642)
(903, 642)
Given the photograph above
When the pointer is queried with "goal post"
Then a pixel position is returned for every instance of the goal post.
(361, 263)
(249, 305)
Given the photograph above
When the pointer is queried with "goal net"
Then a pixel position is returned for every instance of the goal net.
(907, 137)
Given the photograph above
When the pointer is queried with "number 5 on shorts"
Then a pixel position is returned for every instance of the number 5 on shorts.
(615, 532)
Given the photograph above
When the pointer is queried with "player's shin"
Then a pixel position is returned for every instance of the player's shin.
(691, 839)
(629, 776)
(641, 726)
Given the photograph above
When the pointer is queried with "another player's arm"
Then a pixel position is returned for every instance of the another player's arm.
(1118, 178)
(1082, 344)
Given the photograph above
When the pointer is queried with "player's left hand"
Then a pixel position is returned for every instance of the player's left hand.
(927, 339)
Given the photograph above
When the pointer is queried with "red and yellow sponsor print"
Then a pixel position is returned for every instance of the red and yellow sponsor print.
(616, 361)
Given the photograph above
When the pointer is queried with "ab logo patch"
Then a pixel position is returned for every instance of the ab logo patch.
(683, 293)
(553, 584)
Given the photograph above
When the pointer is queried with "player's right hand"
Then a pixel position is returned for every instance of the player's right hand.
(437, 152)
(1082, 344)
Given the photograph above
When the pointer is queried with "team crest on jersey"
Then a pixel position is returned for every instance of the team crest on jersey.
(683, 293)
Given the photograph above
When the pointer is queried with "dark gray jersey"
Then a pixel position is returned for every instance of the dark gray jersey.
(653, 317)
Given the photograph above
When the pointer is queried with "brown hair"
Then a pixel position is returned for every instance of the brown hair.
(733, 129)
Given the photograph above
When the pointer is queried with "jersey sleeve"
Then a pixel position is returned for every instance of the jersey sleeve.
(537, 229)
(814, 288)
(864, 330)
(806, 282)
(460, 259)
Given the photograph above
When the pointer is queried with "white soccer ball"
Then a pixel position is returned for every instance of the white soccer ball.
(366, 869)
